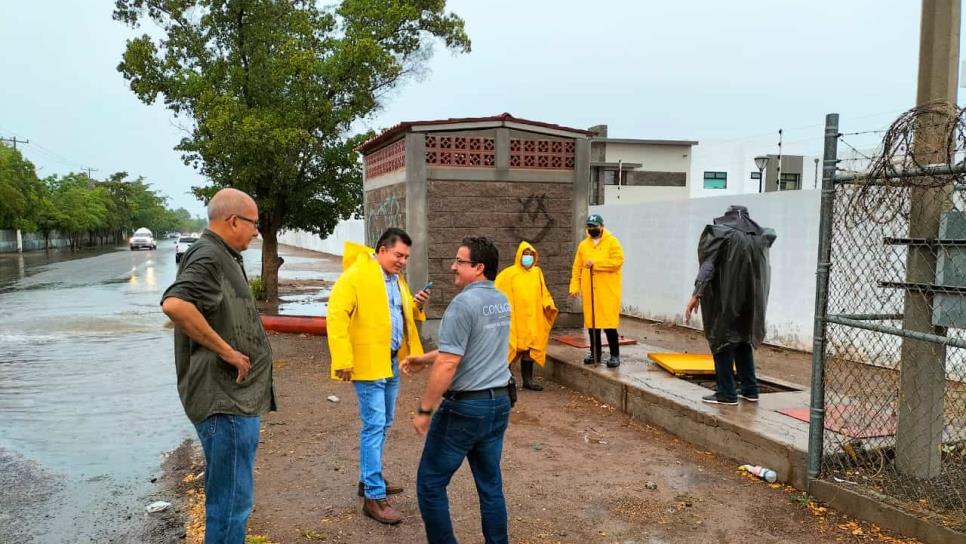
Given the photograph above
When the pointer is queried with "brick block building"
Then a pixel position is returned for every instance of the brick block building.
(502, 177)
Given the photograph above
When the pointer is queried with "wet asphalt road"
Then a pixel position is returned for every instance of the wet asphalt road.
(88, 397)
(87, 391)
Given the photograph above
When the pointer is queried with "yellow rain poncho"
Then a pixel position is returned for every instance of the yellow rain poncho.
(608, 258)
(358, 322)
(532, 309)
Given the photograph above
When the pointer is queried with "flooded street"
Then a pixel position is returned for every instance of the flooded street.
(88, 398)
(87, 387)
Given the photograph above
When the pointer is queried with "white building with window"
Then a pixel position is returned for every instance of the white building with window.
(626, 171)
(729, 168)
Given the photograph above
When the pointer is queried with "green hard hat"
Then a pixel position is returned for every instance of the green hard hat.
(595, 219)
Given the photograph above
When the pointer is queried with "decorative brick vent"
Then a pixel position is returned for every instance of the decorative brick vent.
(460, 151)
(542, 154)
(385, 160)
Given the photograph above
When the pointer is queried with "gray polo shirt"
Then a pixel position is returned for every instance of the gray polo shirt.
(476, 326)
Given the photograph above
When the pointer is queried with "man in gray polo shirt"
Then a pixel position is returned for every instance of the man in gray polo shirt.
(468, 382)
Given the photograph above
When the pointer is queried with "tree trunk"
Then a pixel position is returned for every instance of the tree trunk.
(270, 263)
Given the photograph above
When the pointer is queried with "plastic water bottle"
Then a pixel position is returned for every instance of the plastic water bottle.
(766, 474)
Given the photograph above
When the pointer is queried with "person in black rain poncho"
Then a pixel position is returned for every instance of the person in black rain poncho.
(732, 291)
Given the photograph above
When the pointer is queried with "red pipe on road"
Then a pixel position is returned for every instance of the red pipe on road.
(295, 324)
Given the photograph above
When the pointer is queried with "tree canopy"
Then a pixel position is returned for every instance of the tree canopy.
(272, 90)
(77, 205)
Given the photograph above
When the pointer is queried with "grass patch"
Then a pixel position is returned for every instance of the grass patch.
(257, 287)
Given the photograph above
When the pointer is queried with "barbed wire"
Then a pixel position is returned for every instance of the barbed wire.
(850, 146)
(927, 135)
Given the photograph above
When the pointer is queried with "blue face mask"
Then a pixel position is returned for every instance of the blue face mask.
(527, 261)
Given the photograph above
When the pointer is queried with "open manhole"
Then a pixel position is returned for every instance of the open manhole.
(765, 385)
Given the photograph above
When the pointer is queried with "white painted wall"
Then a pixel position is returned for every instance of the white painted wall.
(661, 158)
(352, 230)
(660, 241)
(635, 195)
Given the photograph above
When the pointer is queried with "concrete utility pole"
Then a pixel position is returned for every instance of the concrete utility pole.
(14, 141)
(90, 180)
(922, 375)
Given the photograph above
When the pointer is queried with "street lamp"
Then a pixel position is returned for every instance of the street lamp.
(761, 161)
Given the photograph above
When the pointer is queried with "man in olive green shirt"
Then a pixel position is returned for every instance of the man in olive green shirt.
(223, 360)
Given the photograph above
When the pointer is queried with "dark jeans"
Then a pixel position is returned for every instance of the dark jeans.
(613, 341)
(742, 359)
(229, 442)
(472, 430)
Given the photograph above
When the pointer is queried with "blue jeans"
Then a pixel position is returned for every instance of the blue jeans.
(229, 442)
(377, 408)
(740, 358)
(472, 430)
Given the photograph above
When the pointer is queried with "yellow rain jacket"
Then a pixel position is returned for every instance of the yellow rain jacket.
(608, 257)
(531, 306)
(358, 324)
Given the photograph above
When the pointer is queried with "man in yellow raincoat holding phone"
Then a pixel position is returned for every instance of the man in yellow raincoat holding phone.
(371, 325)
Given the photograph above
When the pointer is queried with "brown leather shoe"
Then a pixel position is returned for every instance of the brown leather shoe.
(381, 511)
(390, 489)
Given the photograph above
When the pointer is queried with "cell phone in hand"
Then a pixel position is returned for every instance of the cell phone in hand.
(428, 286)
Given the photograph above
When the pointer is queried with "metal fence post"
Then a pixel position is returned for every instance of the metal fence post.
(816, 427)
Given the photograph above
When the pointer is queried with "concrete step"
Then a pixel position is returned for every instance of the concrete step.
(750, 433)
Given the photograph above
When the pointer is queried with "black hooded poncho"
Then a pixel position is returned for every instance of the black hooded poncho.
(733, 279)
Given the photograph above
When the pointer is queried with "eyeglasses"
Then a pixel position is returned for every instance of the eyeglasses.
(247, 220)
(458, 262)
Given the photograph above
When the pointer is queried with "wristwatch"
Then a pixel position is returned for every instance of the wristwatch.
(420, 411)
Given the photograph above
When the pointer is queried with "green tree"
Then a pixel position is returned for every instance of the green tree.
(49, 218)
(21, 192)
(81, 208)
(134, 204)
(272, 88)
(186, 223)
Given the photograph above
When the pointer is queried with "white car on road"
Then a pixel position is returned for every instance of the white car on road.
(182, 245)
(142, 239)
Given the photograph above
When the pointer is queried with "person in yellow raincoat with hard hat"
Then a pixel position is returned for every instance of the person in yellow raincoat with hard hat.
(532, 311)
(596, 277)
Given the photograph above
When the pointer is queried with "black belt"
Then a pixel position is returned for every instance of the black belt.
(491, 393)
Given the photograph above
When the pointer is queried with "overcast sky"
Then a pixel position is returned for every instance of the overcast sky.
(708, 70)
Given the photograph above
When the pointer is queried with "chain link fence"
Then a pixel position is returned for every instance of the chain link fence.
(894, 351)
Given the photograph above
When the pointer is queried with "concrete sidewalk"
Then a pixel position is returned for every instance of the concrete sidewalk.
(753, 433)
(750, 433)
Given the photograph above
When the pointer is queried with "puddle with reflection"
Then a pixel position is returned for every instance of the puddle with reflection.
(315, 303)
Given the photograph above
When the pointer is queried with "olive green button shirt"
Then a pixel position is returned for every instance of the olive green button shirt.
(211, 276)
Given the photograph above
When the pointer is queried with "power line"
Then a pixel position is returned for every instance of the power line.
(14, 141)
(850, 146)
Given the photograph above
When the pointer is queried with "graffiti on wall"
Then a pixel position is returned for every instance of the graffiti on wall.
(382, 215)
(535, 221)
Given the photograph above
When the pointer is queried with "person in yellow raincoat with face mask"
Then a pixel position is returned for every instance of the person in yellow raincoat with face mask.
(596, 277)
(532, 311)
